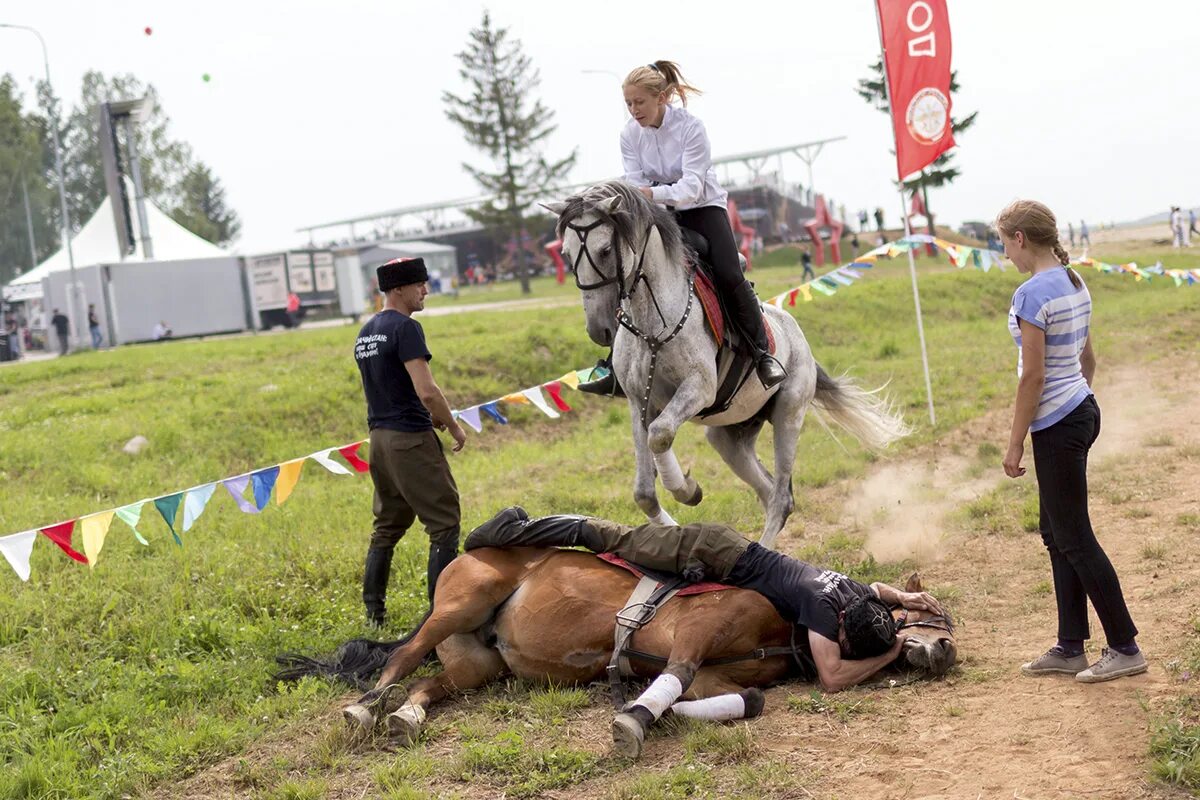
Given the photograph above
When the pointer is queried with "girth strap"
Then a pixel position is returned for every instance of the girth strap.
(647, 597)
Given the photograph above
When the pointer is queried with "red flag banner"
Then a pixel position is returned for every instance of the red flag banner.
(916, 47)
(350, 453)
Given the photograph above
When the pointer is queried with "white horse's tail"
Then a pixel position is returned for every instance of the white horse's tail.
(869, 416)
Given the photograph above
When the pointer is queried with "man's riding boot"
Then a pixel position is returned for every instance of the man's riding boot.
(559, 530)
(375, 581)
(606, 386)
(748, 313)
(440, 556)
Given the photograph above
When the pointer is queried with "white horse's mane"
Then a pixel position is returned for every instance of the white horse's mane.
(633, 217)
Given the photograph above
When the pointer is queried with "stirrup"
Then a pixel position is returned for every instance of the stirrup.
(606, 385)
(770, 372)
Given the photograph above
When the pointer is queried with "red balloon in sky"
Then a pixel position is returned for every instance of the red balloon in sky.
(149, 30)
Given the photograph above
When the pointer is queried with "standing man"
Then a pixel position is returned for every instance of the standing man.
(94, 327)
(408, 465)
(1085, 240)
(60, 323)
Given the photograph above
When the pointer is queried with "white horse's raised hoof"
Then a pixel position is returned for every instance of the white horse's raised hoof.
(406, 723)
(359, 720)
(628, 736)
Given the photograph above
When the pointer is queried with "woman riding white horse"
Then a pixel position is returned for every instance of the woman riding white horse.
(666, 154)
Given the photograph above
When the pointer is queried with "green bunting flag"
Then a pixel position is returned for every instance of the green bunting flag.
(168, 507)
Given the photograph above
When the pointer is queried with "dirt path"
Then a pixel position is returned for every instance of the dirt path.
(986, 731)
(990, 732)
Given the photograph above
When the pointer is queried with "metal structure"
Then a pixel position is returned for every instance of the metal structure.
(126, 114)
(434, 214)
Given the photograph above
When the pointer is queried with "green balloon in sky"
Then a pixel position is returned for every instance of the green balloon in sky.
(207, 77)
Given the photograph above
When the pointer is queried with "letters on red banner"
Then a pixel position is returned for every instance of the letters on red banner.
(916, 46)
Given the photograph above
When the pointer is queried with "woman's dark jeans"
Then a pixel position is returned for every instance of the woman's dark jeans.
(1081, 569)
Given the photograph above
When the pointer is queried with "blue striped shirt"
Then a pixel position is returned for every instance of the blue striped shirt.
(1051, 302)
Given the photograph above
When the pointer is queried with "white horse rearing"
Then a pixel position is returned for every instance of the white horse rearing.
(634, 272)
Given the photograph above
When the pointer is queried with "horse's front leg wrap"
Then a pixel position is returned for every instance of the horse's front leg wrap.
(663, 518)
(669, 470)
(660, 695)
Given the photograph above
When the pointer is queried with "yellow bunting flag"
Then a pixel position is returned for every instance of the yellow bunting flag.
(515, 397)
(94, 529)
(570, 379)
(289, 476)
(804, 290)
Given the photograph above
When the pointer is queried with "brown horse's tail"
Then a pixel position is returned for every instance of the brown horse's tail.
(355, 662)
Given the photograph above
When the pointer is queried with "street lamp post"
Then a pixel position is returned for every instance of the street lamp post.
(73, 290)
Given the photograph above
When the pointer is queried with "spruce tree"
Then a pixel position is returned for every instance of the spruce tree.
(499, 115)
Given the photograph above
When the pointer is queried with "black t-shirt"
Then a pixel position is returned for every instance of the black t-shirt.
(93, 320)
(808, 596)
(59, 321)
(388, 340)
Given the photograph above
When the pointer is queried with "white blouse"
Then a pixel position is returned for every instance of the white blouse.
(677, 157)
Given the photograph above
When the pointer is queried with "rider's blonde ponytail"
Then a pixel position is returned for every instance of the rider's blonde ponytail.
(661, 76)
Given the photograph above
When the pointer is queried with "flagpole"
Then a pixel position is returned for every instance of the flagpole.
(912, 264)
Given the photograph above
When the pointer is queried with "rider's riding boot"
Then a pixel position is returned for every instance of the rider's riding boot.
(749, 317)
(558, 530)
(375, 581)
(440, 556)
(607, 385)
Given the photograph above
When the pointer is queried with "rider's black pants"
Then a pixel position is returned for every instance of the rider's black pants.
(1079, 564)
(712, 222)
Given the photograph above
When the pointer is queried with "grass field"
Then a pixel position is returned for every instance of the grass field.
(154, 664)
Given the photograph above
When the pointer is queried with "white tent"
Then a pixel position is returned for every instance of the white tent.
(96, 243)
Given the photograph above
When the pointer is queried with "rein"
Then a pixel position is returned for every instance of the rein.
(653, 343)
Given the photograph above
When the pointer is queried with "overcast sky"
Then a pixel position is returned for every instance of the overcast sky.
(320, 111)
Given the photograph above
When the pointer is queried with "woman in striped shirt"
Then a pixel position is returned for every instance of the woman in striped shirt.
(1050, 322)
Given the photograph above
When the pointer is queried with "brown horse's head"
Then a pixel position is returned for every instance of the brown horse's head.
(930, 644)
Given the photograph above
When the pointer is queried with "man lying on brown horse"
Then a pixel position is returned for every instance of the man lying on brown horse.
(851, 633)
(545, 613)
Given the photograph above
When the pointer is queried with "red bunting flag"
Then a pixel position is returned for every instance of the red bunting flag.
(792, 297)
(60, 534)
(916, 46)
(554, 389)
(350, 453)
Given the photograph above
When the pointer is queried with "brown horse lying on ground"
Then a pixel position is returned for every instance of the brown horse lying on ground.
(549, 615)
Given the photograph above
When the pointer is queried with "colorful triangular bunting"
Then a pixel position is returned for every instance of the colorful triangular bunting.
(93, 530)
(263, 482)
(16, 549)
(60, 534)
(194, 502)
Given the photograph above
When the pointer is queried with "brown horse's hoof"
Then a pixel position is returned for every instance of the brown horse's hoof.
(406, 723)
(755, 701)
(628, 736)
(360, 722)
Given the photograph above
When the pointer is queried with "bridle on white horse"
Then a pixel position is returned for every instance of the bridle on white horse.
(655, 343)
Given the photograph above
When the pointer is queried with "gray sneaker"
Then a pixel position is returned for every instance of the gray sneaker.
(1055, 662)
(1113, 664)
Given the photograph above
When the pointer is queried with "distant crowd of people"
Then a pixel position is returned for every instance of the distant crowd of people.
(1183, 225)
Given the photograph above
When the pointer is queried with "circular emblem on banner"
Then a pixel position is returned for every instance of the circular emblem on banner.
(928, 115)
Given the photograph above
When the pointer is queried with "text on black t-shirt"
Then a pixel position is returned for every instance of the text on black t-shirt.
(389, 339)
